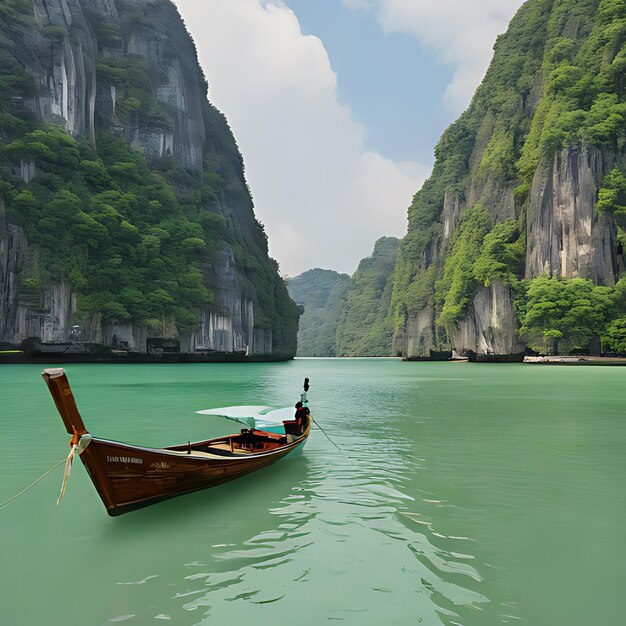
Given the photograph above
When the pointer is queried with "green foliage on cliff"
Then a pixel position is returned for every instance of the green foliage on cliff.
(583, 80)
(365, 327)
(134, 89)
(478, 255)
(322, 294)
(612, 196)
(421, 291)
(16, 82)
(454, 290)
(111, 226)
(502, 255)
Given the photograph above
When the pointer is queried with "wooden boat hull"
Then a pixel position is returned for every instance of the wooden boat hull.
(129, 477)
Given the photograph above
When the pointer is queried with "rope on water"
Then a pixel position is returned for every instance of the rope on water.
(326, 435)
(33, 483)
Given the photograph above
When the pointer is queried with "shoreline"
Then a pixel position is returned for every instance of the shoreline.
(143, 359)
(575, 360)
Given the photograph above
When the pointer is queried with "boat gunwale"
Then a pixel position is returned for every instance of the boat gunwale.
(200, 456)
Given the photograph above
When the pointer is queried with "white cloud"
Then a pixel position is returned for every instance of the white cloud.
(460, 32)
(323, 196)
(358, 5)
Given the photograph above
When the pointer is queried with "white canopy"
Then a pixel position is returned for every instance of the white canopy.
(253, 416)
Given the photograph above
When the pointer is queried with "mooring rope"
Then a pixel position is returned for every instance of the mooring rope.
(66, 473)
(326, 435)
(17, 495)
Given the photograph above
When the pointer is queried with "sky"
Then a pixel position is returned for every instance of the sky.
(337, 105)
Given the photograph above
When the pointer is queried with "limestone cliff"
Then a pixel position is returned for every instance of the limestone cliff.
(514, 191)
(136, 220)
(567, 235)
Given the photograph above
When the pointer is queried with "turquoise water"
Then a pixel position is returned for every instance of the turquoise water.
(464, 494)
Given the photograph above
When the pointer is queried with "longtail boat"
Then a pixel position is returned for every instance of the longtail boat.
(129, 477)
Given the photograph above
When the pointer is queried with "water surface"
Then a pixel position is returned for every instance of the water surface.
(463, 494)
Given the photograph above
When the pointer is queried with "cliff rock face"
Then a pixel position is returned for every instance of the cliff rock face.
(514, 191)
(567, 236)
(229, 325)
(490, 325)
(418, 335)
(104, 70)
(65, 73)
(12, 251)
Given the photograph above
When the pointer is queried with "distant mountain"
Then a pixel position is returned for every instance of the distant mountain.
(365, 326)
(346, 316)
(322, 294)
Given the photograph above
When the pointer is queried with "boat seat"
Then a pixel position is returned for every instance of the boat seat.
(291, 427)
(272, 436)
(261, 434)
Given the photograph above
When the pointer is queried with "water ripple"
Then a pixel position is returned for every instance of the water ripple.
(330, 520)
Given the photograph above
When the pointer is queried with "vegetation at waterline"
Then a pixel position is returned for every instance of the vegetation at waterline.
(563, 315)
